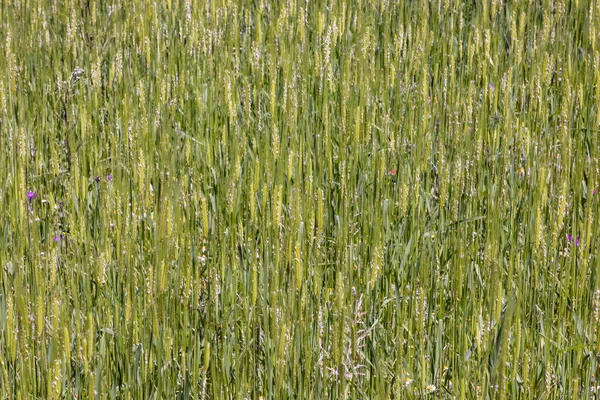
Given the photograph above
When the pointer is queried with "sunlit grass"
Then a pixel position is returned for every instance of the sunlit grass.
(299, 199)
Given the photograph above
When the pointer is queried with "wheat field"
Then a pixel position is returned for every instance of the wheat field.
(320, 199)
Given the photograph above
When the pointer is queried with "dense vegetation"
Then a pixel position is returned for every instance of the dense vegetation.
(299, 199)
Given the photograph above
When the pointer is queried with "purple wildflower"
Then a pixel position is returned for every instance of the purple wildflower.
(594, 192)
(58, 238)
(97, 179)
(575, 240)
(491, 86)
(31, 195)
(108, 178)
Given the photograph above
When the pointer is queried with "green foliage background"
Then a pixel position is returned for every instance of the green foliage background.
(307, 199)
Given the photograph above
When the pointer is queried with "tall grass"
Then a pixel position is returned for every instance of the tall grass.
(299, 199)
